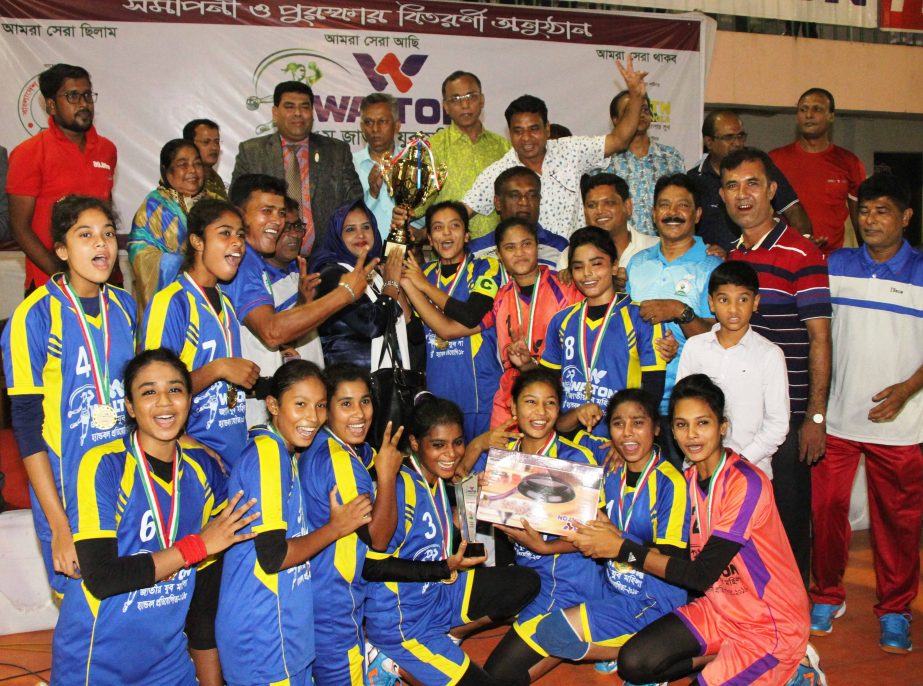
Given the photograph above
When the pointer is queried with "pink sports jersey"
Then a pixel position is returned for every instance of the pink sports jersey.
(756, 615)
(553, 296)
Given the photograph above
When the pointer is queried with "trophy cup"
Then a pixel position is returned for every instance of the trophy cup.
(411, 177)
(466, 501)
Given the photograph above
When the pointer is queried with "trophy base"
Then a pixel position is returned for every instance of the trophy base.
(391, 246)
(475, 550)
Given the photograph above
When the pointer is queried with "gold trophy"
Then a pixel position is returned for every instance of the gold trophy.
(411, 177)
(466, 503)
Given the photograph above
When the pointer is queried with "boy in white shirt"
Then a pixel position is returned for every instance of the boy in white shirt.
(745, 365)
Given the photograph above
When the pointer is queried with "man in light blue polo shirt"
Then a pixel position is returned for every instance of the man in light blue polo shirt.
(670, 280)
(379, 123)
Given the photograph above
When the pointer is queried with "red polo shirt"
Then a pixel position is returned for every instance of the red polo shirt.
(47, 167)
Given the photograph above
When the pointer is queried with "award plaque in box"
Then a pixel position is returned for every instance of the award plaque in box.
(549, 493)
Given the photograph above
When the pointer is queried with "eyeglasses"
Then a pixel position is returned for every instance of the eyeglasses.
(73, 97)
(731, 137)
(459, 99)
(295, 227)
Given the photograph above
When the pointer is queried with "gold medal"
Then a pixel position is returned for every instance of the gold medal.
(441, 343)
(588, 391)
(103, 417)
(232, 397)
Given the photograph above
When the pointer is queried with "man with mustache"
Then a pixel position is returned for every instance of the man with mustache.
(670, 279)
(68, 157)
(272, 321)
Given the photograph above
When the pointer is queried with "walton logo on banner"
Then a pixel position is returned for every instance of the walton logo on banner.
(390, 65)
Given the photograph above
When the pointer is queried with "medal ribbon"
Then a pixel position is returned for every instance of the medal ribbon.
(711, 499)
(444, 513)
(100, 370)
(166, 530)
(588, 361)
(343, 444)
(545, 449)
(461, 269)
(623, 488)
(223, 319)
(538, 283)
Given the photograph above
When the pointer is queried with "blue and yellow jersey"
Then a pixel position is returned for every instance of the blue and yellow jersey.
(567, 578)
(419, 536)
(659, 515)
(465, 370)
(180, 319)
(337, 569)
(44, 353)
(627, 352)
(265, 623)
(135, 637)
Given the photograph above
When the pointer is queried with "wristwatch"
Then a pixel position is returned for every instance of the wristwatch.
(817, 418)
(687, 316)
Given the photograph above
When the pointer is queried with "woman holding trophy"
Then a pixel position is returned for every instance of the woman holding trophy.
(460, 287)
(356, 333)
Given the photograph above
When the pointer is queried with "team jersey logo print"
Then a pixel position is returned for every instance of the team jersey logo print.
(390, 65)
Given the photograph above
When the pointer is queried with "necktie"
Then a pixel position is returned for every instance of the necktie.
(293, 175)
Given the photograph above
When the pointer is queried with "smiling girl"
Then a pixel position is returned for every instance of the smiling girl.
(427, 606)
(455, 290)
(750, 625)
(273, 573)
(194, 319)
(339, 459)
(646, 501)
(145, 508)
(64, 352)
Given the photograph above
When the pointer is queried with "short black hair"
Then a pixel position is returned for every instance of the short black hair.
(538, 375)
(50, 80)
(701, 387)
(885, 185)
(595, 236)
(734, 273)
(559, 131)
(513, 173)
(291, 373)
(342, 372)
(645, 399)
(590, 181)
(380, 99)
(511, 222)
(747, 154)
(683, 181)
(455, 205)
(244, 186)
(291, 87)
(820, 91)
(459, 74)
(143, 359)
(430, 411)
(292, 205)
(526, 104)
(708, 124)
(203, 213)
(614, 103)
(189, 129)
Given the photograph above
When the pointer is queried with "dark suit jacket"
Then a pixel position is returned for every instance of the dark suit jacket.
(333, 176)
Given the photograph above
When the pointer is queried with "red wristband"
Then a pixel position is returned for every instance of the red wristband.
(192, 548)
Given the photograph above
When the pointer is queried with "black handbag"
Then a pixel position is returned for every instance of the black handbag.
(393, 390)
